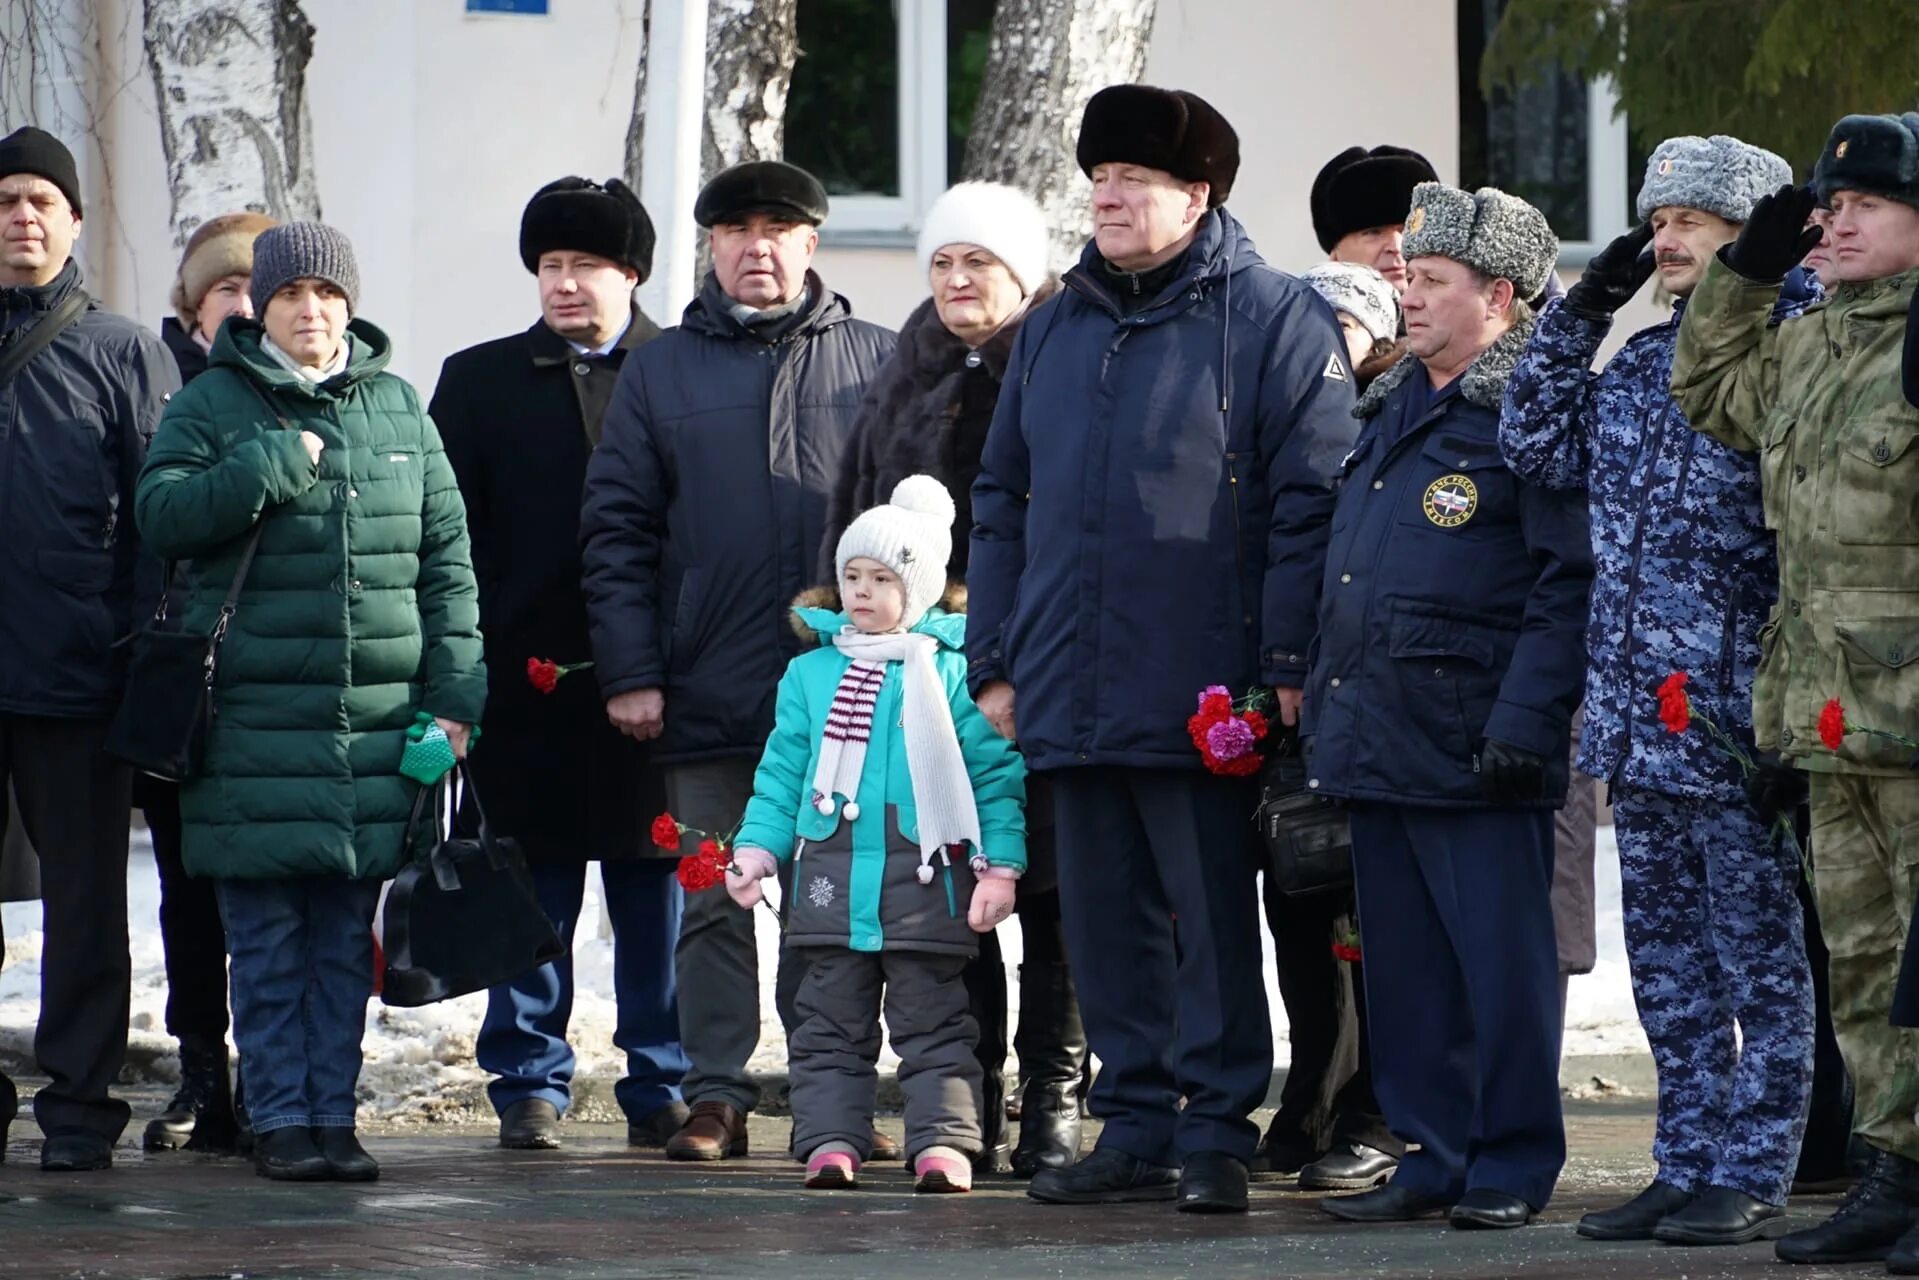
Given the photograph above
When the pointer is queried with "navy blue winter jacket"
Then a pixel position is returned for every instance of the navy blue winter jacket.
(1686, 572)
(74, 427)
(1455, 599)
(705, 501)
(1150, 515)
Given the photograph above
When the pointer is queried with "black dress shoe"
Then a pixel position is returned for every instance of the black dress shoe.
(1212, 1182)
(1105, 1177)
(1873, 1218)
(75, 1151)
(651, 1129)
(1635, 1219)
(1279, 1155)
(288, 1155)
(1721, 1215)
(1385, 1204)
(884, 1148)
(533, 1124)
(1483, 1209)
(1352, 1167)
(346, 1160)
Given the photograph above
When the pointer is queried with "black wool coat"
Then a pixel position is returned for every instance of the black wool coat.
(926, 414)
(520, 416)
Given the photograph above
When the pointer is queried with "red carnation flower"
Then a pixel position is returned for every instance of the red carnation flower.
(1675, 708)
(666, 833)
(1347, 952)
(1256, 722)
(704, 868)
(1832, 724)
(543, 674)
(1216, 706)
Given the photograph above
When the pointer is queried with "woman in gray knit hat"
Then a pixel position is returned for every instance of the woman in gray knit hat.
(356, 629)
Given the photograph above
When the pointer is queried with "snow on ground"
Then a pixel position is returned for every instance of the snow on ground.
(415, 1056)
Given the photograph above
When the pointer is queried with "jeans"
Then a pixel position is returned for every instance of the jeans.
(302, 972)
(523, 1038)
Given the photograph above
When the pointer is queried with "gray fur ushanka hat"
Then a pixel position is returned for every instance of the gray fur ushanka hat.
(1719, 174)
(1487, 230)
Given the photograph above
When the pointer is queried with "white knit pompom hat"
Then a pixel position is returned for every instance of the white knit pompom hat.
(1000, 219)
(912, 535)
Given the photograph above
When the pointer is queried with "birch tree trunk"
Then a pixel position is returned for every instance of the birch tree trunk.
(1045, 59)
(230, 77)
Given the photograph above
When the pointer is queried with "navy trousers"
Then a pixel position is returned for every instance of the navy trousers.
(522, 1040)
(1462, 993)
(1138, 847)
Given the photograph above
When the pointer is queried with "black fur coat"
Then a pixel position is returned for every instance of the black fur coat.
(926, 412)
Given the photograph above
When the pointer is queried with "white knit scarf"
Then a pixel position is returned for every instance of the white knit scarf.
(942, 787)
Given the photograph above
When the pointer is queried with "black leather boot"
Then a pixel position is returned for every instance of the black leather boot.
(289, 1155)
(995, 1152)
(985, 979)
(200, 1116)
(1054, 1069)
(9, 1108)
(1873, 1218)
(346, 1160)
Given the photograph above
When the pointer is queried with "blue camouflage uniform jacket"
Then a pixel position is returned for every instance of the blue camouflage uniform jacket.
(1685, 569)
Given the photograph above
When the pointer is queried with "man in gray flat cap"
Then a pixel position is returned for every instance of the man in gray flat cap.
(1448, 663)
(1687, 576)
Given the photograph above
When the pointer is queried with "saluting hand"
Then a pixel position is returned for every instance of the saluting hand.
(1614, 275)
(1775, 238)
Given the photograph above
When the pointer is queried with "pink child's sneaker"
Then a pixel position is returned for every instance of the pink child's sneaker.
(833, 1166)
(942, 1169)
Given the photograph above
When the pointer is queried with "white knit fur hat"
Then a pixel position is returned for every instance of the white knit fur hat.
(912, 535)
(1361, 293)
(1001, 219)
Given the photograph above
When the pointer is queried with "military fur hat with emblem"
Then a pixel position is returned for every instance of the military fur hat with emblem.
(761, 186)
(1494, 233)
(1170, 130)
(1878, 155)
(1719, 174)
(581, 216)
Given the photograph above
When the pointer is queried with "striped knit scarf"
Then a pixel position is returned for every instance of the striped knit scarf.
(942, 787)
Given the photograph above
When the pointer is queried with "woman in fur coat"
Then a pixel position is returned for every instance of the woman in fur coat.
(985, 248)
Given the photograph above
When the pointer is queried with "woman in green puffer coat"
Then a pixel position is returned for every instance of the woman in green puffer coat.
(358, 612)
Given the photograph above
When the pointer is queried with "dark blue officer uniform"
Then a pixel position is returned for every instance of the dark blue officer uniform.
(1453, 611)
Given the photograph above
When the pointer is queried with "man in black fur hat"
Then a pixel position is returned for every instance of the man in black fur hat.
(1359, 203)
(520, 416)
(1150, 519)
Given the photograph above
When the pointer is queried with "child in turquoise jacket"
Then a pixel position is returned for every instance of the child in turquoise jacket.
(901, 813)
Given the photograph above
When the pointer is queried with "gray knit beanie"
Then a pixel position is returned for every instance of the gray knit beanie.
(303, 251)
(1719, 174)
(1488, 230)
(1361, 293)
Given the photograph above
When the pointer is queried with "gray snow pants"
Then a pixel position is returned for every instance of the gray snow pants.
(835, 1047)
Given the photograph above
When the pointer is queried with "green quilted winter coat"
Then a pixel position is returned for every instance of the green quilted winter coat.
(359, 611)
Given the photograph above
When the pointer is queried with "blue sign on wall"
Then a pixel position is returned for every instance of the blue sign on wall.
(506, 6)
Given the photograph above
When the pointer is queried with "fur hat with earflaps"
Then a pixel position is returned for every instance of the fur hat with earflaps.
(218, 248)
(1494, 233)
(1720, 175)
(912, 535)
(606, 220)
(1167, 129)
(1875, 154)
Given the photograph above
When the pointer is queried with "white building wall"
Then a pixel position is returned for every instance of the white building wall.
(433, 127)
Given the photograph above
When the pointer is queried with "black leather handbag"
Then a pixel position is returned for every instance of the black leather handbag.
(1309, 844)
(167, 709)
(461, 916)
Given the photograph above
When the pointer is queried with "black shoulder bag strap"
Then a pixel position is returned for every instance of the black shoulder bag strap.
(35, 340)
(231, 604)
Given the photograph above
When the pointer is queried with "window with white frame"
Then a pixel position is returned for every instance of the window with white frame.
(882, 101)
(1556, 142)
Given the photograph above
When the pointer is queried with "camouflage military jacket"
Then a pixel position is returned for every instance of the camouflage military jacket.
(1684, 564)
(1819, 398)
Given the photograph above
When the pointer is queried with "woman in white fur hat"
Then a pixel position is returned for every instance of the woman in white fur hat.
(986, 253)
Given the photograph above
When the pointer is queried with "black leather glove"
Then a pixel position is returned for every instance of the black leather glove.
(1613, 276)
(1511, 775)
(1775, 238)
(1775, 788)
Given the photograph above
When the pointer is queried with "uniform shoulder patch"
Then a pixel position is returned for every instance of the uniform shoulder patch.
(1334, 369)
